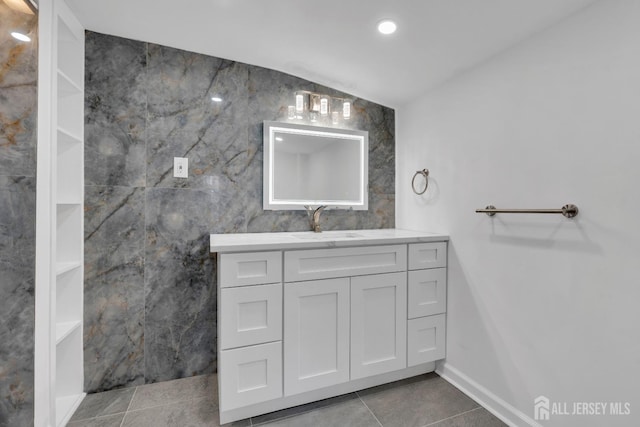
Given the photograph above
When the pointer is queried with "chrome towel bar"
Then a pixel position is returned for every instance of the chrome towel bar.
(568, 210)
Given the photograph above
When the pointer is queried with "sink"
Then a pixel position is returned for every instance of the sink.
(327, 235)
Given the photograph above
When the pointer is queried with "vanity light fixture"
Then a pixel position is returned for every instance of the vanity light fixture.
(316, 107)
(387, 26)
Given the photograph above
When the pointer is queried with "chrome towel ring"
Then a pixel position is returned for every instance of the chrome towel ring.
(425, 174)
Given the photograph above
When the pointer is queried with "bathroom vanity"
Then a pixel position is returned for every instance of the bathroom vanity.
(305, 316)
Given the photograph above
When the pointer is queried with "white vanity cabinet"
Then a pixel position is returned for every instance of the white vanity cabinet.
(303, 317)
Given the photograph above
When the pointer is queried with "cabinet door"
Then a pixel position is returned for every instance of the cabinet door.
(378, 324)
(316, 334)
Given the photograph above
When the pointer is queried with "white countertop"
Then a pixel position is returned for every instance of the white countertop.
(245, 242)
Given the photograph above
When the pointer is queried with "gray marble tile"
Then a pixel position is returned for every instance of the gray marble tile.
(180, 319)
(185, 122)
(416, 402)
(114, 218)
(193, 413)
(351, 413)
(115, 110)
(18, 95)
(114, 287)
(165, 392)
(301, 409)
(17, 302)
(145, 105)
(108, 421)
(479, 417)
(17, 221)
(102, 404)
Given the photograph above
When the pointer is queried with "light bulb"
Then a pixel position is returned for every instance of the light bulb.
(299, 103)
(324, 106)
(346, 109)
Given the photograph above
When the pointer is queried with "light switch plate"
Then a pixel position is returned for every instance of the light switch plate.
(180, 167)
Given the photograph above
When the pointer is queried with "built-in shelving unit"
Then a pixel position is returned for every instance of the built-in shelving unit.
(59, 270)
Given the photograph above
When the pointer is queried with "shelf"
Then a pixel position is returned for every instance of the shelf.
(67, 137)
(66, 406)
(65, 267)
(66, 85)
(67, 201)
(64, 329)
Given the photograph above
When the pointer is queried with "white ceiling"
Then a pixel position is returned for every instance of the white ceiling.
(335, 42)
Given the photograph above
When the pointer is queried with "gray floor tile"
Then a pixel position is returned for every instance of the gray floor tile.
(352, 413)
(108, 421)
(479, 417)
(201, 412)
(416, 402)
(297, 410)
(105, 403)
(162, 393)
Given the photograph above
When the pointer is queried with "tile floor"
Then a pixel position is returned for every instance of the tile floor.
(426, 400)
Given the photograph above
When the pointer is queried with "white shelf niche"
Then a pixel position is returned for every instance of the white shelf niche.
(69, 296)
(70, 106)
(70, 55)
(69, 385)
(70, 162)
(68, 233)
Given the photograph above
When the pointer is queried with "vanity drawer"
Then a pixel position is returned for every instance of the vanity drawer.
(427, 255)
(343, 262)
(427, 292)
(426, 339)
(253, 268)
(250, 315)
(250, 375)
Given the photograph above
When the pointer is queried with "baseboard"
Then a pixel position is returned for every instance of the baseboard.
(492, 403)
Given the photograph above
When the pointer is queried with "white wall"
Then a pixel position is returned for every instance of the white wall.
(539, 305)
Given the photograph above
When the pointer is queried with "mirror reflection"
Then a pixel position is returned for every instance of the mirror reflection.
(315, 166)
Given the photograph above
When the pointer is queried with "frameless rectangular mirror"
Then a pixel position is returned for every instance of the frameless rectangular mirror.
(314, 166)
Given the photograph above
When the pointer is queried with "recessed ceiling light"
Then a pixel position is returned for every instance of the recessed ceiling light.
(216, 99)
(21, 37)
(387, 26)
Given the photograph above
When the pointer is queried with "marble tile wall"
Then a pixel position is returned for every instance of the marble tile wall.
(150, 289)
(18, 131)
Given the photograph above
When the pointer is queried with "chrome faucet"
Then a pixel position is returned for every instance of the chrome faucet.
(314, 217)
